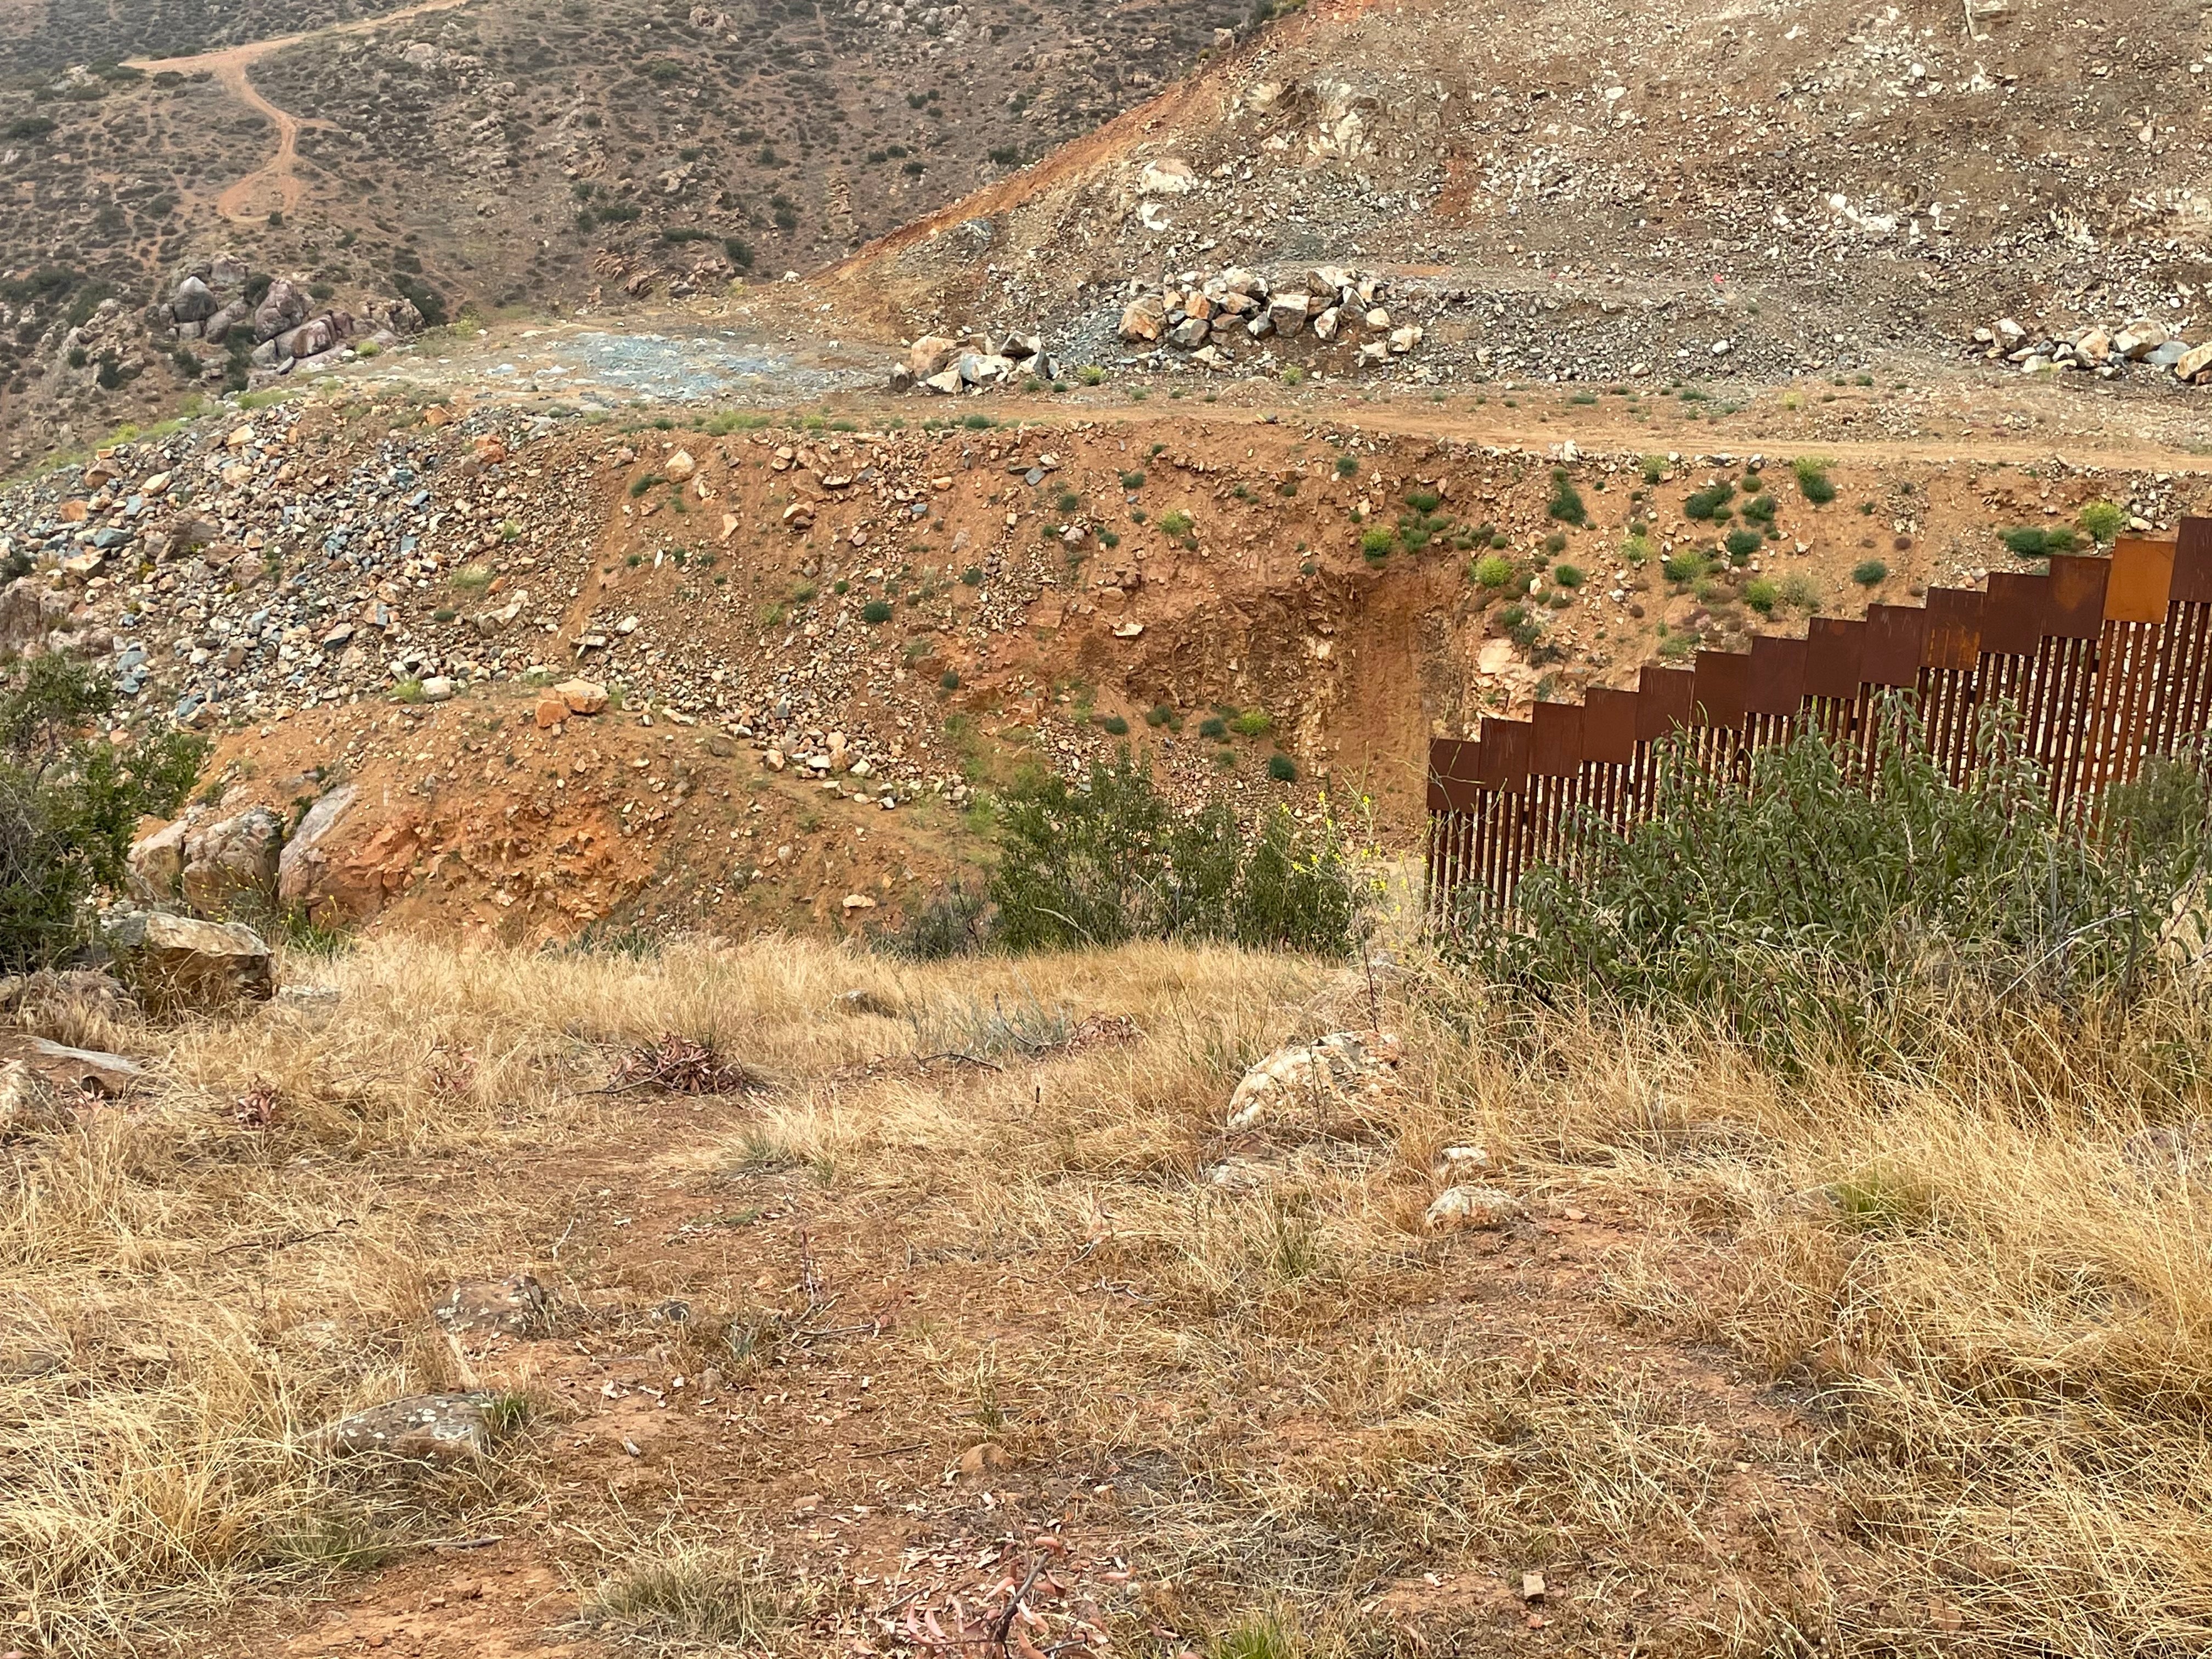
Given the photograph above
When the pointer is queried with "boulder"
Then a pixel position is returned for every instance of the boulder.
(1471, 1209)
(1144, 321)
(84, 1071)
(422, 1428)
(181, 964)
(235, 858)
(228, 271)
(282, 309)
(581, 697)
(155, 867)
(1167, 177)
(1313, 1082)
(300, 866)
(679, 467)
(311, 338)
(1288, 314)
(2191, 365)
(930, 355)
(516, 1306)
(1326, 324)
(1190, 333)
(194, 301)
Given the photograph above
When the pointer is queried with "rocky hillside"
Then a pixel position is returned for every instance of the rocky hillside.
(1597, 191)
(505, 154)
(538, 672)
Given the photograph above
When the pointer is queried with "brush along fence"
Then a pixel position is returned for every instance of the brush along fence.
(2105, 662)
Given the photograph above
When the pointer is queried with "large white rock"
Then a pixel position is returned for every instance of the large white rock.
(1315, 1082)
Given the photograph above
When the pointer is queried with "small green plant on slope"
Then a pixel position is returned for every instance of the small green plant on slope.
(1109, 860)
(70, 801)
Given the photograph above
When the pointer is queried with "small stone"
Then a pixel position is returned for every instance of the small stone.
(551, 711)
(678, 467)
(1471, 1209)
(425, 1428)
(516, 1305)
(437, 689)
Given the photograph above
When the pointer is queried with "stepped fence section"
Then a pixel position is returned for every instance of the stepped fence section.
(2106, 661)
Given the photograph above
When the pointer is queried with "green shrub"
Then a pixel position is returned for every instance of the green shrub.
(875, 612)
(1491, 571)
(950, 680)
(1742, 544)
(70, 801)
(1565, 503)
(1869, 573)
(1423, 500)
(952, 923)
(2102, 522)
(1174, 522)
(1567, 575)
(1112, 860)
(1813, 910)
(1160, 715)
(1282, 768)
(1555, 544)
(1115, 724)
(1251, 723)
(1705, 505)
(1760, 509)
(2035, 542)
(1213, 727)
(1376, 544)
(1813, 481)
(1346, 465)
(1653, 468)
(1761, 595)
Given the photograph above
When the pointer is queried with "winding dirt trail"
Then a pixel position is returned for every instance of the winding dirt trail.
(249, 198)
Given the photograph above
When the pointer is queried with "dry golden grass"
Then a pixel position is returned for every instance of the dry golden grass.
(1971, 1317)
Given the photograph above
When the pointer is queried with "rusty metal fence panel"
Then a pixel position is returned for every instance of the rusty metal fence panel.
(2106, 662)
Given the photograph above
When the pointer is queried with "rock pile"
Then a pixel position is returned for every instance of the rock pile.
(2103, 352)
(1210, 316)
(938, 363)
(219, 299)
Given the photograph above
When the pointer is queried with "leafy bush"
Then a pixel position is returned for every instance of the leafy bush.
(2035, 542)
(1111, 861)
(1813, 481)
(1812, 909)
(1742, 544)
(1761, 595)
(1375, 543)
(1869, 573)
(1251, 723)
(952, 923)
(70, 801)
(1706, 504)
(1491, 571)
(1115, 724)
(1282, 768)
(1174, 522)
(1132, 480)
(2102, 521)
(1213, 727)
(875, 612)
(1568, 576)
(1346, 465)
(1566, 502)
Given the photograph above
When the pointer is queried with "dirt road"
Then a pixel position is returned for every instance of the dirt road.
(249, 196)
